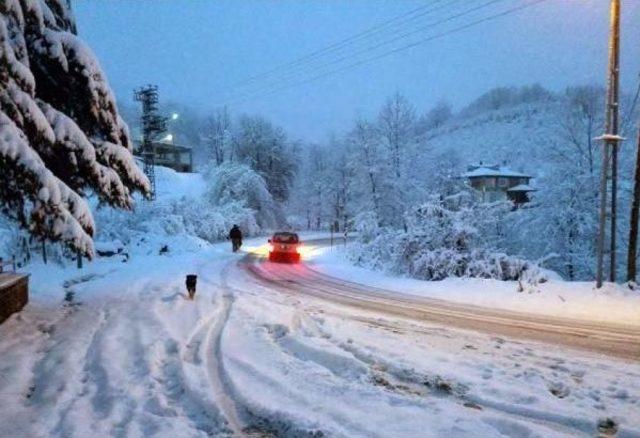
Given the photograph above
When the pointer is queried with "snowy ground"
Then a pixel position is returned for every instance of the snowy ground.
(117, 350)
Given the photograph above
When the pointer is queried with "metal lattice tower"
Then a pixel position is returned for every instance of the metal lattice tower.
(152, 125)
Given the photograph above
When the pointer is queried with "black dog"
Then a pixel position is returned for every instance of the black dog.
(191, 285)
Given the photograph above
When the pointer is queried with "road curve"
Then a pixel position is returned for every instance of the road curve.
(609, 339)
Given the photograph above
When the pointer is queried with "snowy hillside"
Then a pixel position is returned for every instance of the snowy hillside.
(187, 212)
(154, 225)
(517, 135)
(172, 185)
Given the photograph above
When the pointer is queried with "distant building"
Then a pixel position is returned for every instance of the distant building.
(178, 158)
(497, 183)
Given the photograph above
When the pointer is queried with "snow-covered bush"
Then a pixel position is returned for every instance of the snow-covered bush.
(213, 223)
(443, 238)
(190, 208)
(235, 188)
(188, 217)
(366, 225)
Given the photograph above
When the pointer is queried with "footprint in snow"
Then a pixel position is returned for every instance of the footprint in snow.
(559, 389)
(607, 427)
(277, 330)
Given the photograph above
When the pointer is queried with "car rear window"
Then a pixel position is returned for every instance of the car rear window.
(285, 238)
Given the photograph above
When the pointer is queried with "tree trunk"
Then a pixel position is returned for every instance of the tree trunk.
(633, 226)
(26, 249)
(44, 252)
(374, 194)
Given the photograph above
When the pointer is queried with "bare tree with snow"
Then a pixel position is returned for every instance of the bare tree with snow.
(217, 136)
(367, 161)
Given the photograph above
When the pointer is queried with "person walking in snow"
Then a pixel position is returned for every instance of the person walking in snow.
(236, 238)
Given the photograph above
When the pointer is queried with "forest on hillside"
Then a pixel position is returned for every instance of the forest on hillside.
(381, 176)
(376, 177)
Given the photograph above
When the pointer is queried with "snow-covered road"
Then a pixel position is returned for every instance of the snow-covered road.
(607, 338)
(264, 351)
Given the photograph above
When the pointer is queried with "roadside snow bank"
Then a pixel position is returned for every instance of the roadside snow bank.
(612, 303)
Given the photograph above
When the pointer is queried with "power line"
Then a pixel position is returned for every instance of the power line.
(346, 41)
(290, 76)
(285, 77)
(390, 52)
(629, 117)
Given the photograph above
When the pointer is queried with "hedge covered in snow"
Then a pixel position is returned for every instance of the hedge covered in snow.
(442, 238)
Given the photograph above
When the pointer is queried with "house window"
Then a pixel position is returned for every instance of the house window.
(490, 182)
(503, 182)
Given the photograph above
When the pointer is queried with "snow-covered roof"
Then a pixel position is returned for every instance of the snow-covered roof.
(502, 171)
(521, 188)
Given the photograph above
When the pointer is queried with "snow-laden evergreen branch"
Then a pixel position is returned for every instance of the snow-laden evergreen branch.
(60, 130)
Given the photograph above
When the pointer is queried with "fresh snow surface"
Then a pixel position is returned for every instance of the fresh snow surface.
(116, 349)
(172, 185)
(581, 300)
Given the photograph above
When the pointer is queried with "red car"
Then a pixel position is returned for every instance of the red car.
(283, 247)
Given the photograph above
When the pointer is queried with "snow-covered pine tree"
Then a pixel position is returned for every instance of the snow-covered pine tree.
(60, 131)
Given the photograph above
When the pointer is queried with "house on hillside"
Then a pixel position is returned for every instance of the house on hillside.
(178, 158)
(497, 183)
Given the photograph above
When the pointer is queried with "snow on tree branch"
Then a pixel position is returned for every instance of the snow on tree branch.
(60, 132)
(36, 198)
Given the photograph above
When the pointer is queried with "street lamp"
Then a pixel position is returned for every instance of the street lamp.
(175, 116)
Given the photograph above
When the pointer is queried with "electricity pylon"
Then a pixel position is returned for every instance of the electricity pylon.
(152, 125)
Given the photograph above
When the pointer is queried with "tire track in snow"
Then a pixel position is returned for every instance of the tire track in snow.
(619, 341)
(294, 280)
(203, 349)
(243, 419)
(412, 383)
(213, 363)
(422, 384)
(158, 371)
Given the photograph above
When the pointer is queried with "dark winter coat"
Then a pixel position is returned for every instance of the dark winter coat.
(235, 233)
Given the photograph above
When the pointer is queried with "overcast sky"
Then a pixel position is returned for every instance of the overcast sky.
(197, 51)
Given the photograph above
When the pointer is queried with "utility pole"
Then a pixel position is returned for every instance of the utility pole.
(635, 212)
(610, 150)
